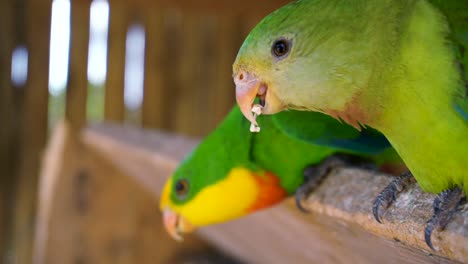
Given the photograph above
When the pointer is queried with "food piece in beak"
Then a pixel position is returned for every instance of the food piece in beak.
(176, 225)
(257, 110)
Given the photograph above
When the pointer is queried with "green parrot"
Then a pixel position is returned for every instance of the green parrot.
(398, 66)
(233, 172)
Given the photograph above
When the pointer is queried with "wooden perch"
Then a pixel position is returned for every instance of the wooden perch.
(91, 211)
(339, 229)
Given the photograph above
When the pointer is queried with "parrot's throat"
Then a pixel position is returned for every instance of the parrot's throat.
(353, 113)
(270, 192)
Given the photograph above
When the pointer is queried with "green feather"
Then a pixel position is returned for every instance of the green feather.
(233, 145)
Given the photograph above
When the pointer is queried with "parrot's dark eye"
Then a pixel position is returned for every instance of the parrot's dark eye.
(280, 47)
(181, 187)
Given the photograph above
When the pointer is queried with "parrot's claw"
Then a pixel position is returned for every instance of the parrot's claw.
(388, 195)
(301, 195)
(314, 175)
(445, 205)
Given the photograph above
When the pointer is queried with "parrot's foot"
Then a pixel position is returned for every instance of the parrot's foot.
(445, 205)
(389, 193)
(313, 175)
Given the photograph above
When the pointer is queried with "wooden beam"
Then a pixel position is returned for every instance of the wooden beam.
(172, 63)
(187, 115)
(75, 109)
(340, 228)
(224, 7)
(155, 104)
(34, 127)
(206, 73)
(6, 118)
(114, 108)
(229, 37)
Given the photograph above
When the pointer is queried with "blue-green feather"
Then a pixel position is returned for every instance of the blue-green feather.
(320, 129)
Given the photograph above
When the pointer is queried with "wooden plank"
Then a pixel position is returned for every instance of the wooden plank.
(340, 228)
(225, 7)
(94, 213)
(187, 115)
(6, 118)
(75, 110)
(229, 38)
(172, 62)
(206, 75)
(156, 107)
(34, 127)
(114, 108)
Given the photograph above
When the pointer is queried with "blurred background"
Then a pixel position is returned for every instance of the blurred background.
(153, 64)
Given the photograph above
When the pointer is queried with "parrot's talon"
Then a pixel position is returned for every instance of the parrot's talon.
(299, 198)
(388, 195)
(445, 205)
(314, 175)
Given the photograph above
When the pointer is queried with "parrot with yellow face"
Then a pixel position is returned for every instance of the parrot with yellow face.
(233, 172)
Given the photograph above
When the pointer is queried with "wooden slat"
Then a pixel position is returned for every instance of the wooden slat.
(249, 23)
(339, 229)
(229, 38)
(225, 7)
(34, 126)
(205, 79)
(155, 104)
(6, 118)
(186, 115)
(114, 109)
(172, 62)
(75, 110)
(91, 212)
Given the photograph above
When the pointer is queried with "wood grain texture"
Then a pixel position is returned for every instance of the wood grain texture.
(340, 228)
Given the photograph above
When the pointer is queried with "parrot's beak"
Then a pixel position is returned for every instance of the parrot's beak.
(248, 88)
(176, 225)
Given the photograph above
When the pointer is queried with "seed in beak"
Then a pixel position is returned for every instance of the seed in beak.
(257, 110)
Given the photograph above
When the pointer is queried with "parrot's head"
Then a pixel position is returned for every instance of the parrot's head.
(241, 192)
(302, 56)
(218, 181)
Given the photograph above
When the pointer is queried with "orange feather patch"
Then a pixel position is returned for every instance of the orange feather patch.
(270, 191)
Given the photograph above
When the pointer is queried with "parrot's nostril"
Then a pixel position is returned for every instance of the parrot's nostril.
(241, 77)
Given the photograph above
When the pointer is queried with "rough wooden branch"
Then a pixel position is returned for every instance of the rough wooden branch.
(339, 229)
